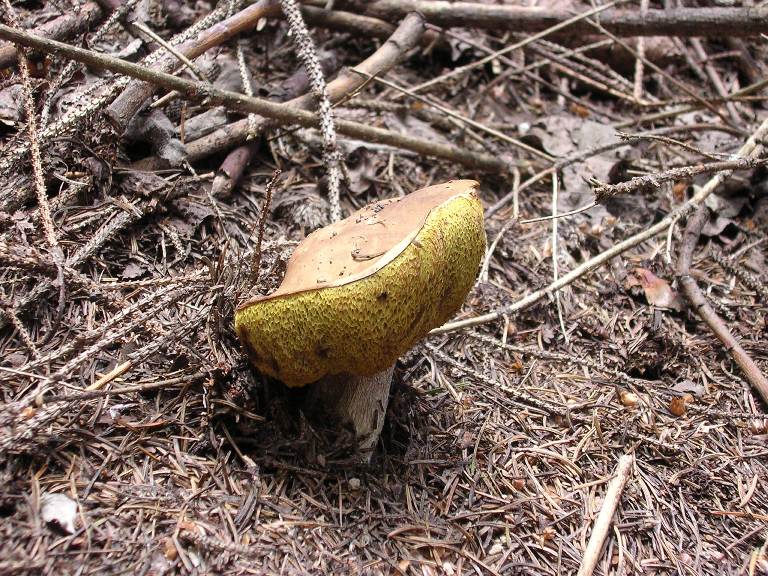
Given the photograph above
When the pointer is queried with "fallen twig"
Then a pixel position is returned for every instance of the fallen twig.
(61, 28)
(402, 39)
(58, 81)
(305, 48)
(749, 280)
(34, 146)
(256, 262)
(548, 30)
(604, 192)
(751, 149)
(603, 522)
(717, 22)
(91, 101)
(594, 151)
(694, 295)
(125, 106)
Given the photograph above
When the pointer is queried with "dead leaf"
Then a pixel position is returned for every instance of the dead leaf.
(133, 271)
(408, 124)
(657, 291)
(157, 129)
(59, 510)
(678, 405)
(679, 189)
(565, 135)
(170, 551)
(689, 387)
(579, 110)
(10, 105)
(191, 214)
(143, 184)
(628, 399)
(548, 534)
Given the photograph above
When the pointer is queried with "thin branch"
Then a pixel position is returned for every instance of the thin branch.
(753, 148)
(58, 81)
(695, 296)
(307, 53)
(604, 192)
(604, 519)
(460, 117)
(713, 22)
(506, 50)
(14, 320)
(714, 77)
(95, 97)
(61, 28)
(171, 49)
(638, 85)
(663, 73)
(34, 146)
(594, 151)
(403, 39)
(256, 262)
(214, 33)
(555, 274)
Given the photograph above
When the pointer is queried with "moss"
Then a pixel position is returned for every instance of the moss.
(363, 327)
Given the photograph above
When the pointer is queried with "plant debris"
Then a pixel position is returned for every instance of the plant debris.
(135, 437)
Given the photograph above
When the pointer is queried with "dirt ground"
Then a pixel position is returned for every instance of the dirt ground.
(135, 437)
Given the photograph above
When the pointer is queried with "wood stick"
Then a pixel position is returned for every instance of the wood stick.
(717, 22)
(752, 148)
(699, 303)
(284, 113)
(604, 519)
(125, 106)
(61, 28)
(605, 192)
(392, 51)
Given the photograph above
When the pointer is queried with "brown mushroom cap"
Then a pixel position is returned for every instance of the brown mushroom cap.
(360, 292)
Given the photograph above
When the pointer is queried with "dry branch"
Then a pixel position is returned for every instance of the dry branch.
(106, 232)
(30, 259)
(133, 97)
(61, 28)
(695, 296)
(34, 145)
(604, 192)
(715, 22)
(307, 53)
(284, 113)
(753, 148)
(403, 39)
(604, 519)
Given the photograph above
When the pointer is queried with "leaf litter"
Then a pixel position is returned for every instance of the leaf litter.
(499, 441)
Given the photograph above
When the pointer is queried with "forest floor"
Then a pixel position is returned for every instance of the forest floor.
(135, 437)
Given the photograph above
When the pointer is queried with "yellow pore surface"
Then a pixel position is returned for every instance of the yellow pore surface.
(363, 326)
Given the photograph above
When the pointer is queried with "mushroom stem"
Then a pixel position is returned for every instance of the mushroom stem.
(360, 401)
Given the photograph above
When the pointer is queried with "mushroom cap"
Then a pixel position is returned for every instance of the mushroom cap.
(362, 291)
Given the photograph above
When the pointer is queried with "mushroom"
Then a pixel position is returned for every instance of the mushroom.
(362, 291)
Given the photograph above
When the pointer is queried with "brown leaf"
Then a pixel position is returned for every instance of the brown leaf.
(657, 290)
(678, 405)
(170, 551)
(628, 399)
